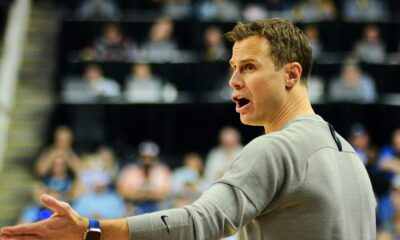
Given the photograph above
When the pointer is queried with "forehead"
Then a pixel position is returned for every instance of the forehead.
(251, 47)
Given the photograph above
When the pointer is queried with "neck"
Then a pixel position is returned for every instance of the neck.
(297, 104)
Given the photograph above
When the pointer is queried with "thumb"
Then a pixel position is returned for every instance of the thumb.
(53, 204)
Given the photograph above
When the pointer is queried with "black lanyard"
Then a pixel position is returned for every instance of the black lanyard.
(335, 137)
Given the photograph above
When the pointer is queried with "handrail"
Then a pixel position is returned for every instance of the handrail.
(14, 38)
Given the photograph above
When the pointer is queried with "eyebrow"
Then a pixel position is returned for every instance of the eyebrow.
(250, 59)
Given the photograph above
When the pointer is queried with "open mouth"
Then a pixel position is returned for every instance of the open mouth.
(243, 102)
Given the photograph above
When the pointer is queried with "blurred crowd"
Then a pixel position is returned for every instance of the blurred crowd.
(233, 10)
(102, 185)
(159, 44)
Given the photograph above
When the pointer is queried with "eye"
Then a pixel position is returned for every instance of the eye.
(249, 68)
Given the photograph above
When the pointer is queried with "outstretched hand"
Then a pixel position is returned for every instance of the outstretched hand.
(64, 224)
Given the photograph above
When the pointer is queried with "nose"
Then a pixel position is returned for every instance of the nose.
(236, 82)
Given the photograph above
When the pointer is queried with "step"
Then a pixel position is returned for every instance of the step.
(20, 135)
(38, 14)
(27, 160)
(39, 60)
(33, 103)
(31, 124)
(35, 70)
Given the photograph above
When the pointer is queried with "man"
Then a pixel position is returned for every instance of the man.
(299, 181)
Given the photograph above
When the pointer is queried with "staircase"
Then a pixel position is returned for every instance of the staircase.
(29, 117)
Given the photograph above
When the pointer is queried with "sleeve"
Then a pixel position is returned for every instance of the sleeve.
(221, 211)
(262, 172)
(230, 204)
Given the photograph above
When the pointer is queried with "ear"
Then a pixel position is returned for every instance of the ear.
(293, 71)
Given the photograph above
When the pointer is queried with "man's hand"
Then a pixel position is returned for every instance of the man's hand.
(64, 224)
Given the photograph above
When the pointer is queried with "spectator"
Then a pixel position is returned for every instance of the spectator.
(93, 86)
(316, 89)
(390, 228)
(220, 158)
(258, 9)
(252, 12)
(62, 145)
(314, 11)
(389, 159)
(102, 163)
(35, 211)
(360, 140)
(312, 33)
(365, 10)
(101, 202)
(370, 48)
(352, 86)
(111, 46)
(143, 86)
(61, 178)
(160, 46)
(146, 183)
(177, 9)
(98, 9)
(279, 8)
(220, 10)
(187, 179)
(214, 46)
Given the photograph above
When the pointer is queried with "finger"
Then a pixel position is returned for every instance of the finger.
(23, 229)
(55, 205)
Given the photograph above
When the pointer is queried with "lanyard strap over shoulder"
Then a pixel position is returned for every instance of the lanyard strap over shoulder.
(335, 137)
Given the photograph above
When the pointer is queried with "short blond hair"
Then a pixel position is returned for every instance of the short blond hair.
(288, 43)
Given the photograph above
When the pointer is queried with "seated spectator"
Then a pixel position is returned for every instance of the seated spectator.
(147, 182)
(312, 33)
(314, 11)
(111, 46)
(252, 12)
(389, 159)
(177, 9)
(98, 9)
(365, 10)
(93, 86)
(160, 45)
(370, 48)
(390, 228)
(258, 9)
(143, 86)
(220, 10)
(187, 180)
(352, 86)
(279, 8)
(62, 145)
(60, 177)
(214, 45)
(102, 163)
(35, 211)
(316, 89)
(360, 140)
(220, 158)
(101, 202)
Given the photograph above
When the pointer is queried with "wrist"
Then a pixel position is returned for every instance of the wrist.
(93, 231)
(83, 224)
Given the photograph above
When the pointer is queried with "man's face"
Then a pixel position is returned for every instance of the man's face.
(258, 88)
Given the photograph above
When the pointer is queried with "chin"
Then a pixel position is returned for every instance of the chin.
(249, 122)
